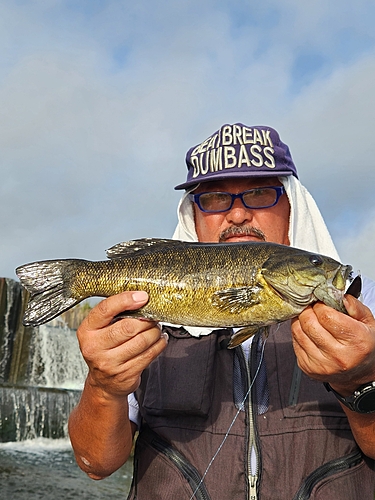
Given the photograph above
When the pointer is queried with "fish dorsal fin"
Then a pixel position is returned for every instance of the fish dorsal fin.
(236, 300)
(141, 245)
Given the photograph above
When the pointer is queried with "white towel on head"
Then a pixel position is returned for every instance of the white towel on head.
(185, 230)
(307, 229)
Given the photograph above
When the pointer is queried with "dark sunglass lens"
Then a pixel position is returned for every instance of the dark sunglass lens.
(260, 197)
(215, 202)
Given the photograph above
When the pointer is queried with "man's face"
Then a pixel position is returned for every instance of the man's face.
(241, 223)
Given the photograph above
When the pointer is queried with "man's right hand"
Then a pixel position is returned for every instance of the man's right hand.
(117, 352)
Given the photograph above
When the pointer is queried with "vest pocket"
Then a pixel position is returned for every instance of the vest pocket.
(171, 474)
(189, 392)
(341, 470)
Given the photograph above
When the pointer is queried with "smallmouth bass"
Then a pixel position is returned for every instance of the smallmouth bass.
(214, 285)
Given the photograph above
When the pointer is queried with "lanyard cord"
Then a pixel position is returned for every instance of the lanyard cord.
(231, 424)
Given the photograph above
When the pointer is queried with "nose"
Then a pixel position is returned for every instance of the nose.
(239, 214)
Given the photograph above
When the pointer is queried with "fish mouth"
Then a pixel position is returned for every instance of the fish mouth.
(341, 277)
(333, 291)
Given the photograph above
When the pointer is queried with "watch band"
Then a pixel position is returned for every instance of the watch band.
(361, 401)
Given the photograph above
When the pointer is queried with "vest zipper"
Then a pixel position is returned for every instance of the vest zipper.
(189, 472)
(326, 470)
(252, 448)
(252, 433)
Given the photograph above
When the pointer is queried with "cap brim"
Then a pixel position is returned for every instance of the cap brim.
(239, 175)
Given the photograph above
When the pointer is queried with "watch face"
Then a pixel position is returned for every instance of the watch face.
(366, 402)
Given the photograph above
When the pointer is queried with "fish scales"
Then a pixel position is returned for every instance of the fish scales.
(189, 282)
(196, 284)
(179, 284)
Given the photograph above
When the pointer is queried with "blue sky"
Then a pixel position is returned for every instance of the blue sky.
(99, 101)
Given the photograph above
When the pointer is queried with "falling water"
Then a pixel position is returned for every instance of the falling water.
(55, 359)
(11, 297)
(41, 377)
(41, 372)
(31, 412)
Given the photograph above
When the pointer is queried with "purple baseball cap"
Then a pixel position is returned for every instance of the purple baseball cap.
(238, 151)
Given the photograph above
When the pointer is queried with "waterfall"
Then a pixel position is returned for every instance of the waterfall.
(32, 412)
(55, 360)
(41, 371)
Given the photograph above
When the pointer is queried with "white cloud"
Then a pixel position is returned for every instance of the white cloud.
(98, 105)
(332, 127)
(356, 246)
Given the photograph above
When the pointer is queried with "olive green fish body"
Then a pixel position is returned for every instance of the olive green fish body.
(195, 284)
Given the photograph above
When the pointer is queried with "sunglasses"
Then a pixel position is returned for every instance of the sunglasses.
(262, 197)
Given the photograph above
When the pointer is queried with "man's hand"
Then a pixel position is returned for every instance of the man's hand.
(334, 347)
(117, 352)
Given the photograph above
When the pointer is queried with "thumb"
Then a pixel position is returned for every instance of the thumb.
(357, 310)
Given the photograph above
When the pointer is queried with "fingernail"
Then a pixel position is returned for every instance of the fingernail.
(140, 296)
(165, 336)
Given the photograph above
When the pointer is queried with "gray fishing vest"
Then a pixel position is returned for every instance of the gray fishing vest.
(195, 443)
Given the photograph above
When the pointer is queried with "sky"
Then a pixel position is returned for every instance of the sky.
(101, 99)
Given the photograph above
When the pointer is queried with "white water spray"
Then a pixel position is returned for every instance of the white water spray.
(56, 361)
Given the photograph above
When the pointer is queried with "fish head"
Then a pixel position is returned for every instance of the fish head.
(302, 278)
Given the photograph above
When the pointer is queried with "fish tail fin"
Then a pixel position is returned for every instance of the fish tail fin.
(49, 284)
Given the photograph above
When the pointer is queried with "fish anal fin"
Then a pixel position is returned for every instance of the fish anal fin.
(245, 333)
(236, 300)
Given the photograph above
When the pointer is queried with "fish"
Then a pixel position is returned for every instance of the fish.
(216, 285)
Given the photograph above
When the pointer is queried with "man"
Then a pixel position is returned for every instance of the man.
(200, 434)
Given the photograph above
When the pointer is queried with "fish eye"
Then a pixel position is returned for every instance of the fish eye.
(316, 260)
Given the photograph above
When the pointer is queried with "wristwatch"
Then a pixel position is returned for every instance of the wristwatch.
(361, 401)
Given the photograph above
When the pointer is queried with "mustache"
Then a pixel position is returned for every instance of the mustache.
(231, 231)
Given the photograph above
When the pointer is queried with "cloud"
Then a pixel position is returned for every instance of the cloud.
(100, 100)
(331, 124)
(356, 246)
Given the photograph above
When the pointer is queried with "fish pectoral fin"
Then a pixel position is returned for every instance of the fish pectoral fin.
(242, 335)
(236, 300)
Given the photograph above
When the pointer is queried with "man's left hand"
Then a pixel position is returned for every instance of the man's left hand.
(334, 347)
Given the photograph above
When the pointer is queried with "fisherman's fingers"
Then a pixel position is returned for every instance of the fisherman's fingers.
(100, 331)
(133, 361)
(104, 312)
(359, 311)
(318, 352)
(118, 342)
(117, 354)
(351, 337)
(118, 371)
(310, 357)
(334, 347)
